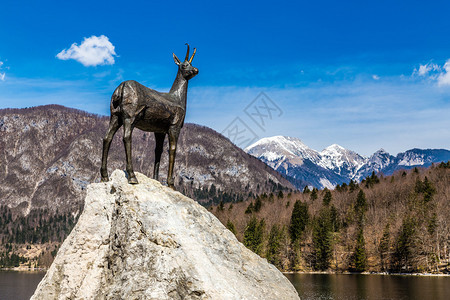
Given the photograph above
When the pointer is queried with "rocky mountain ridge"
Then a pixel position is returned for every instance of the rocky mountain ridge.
(335, 164)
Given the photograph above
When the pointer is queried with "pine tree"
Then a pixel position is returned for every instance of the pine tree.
(254, 234)
(322, 241)
(372, 180)
(230, 227)
(327, 197)
(249, 209)
(429, 190)
(313, 194)
(334, 218)
(258, 205)
(220, 207)
(274, 246)
(299, 220)
(360, 256)
(352, 186)
(361, 203)
(425, 188)
(405, 244)
(306, 190)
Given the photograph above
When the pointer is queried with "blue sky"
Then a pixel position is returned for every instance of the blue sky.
(365, 75)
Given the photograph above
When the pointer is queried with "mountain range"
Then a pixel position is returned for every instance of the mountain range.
(335, 165)
(49, 154)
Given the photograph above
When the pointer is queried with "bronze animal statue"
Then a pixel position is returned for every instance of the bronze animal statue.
(134, 105)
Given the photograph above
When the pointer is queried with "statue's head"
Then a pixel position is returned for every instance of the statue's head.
(185, 67)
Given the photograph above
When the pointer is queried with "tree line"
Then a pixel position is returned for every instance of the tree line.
(398, 223)
(39, 227)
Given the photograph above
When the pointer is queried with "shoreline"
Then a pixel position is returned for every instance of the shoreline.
(40, 270)
(21, 269)
(371, 273)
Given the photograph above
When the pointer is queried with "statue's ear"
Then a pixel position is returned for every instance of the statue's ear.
(175, 58)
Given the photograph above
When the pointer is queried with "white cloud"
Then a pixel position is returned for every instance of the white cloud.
(375, 77)
(434, 72)
(2, 75)
(427, 68)
(93, 51)
(444, 77)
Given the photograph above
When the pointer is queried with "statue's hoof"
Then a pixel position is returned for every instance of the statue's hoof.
(104, 179)
(133, 180)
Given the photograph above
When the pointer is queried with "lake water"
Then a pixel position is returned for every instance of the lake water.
(358, 287)
(18, 285)
(21, 285)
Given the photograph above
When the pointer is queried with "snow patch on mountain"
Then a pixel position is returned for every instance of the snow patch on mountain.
(326, 183)
(409, 160)
(335, 164)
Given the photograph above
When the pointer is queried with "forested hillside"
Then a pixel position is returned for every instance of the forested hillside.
(399, 223)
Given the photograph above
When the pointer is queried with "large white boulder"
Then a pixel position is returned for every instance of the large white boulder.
(146, 241)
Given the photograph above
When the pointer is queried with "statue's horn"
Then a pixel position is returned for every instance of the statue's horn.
(192, 57)
(187, 53)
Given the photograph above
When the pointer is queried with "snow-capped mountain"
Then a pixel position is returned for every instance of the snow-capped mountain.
(292, 158)
(341, 161)
(335, 164)
(379, 162)
(279, 149)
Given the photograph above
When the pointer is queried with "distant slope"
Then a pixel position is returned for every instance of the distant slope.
(49, 154)
(335, 164)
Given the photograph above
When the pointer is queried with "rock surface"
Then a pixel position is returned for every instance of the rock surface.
(146, 241)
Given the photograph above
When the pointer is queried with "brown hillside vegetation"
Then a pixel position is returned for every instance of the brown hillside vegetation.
(399, 223)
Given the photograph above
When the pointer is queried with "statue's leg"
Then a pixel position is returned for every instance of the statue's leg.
(159, 139)
(173, 138)
(114, 125)
(127, 131)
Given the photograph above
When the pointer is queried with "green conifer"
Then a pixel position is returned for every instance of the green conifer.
(322, 240)
(299, 220)
(230, 227)
(327, 197)
(360, 256)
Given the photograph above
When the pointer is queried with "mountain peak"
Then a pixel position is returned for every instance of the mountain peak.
(278, 148)
(380, 152)
(278, 139)
(334, 147)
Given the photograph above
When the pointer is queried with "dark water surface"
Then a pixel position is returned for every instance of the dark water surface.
(18, 285)
(358, 287)
(21, 285)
